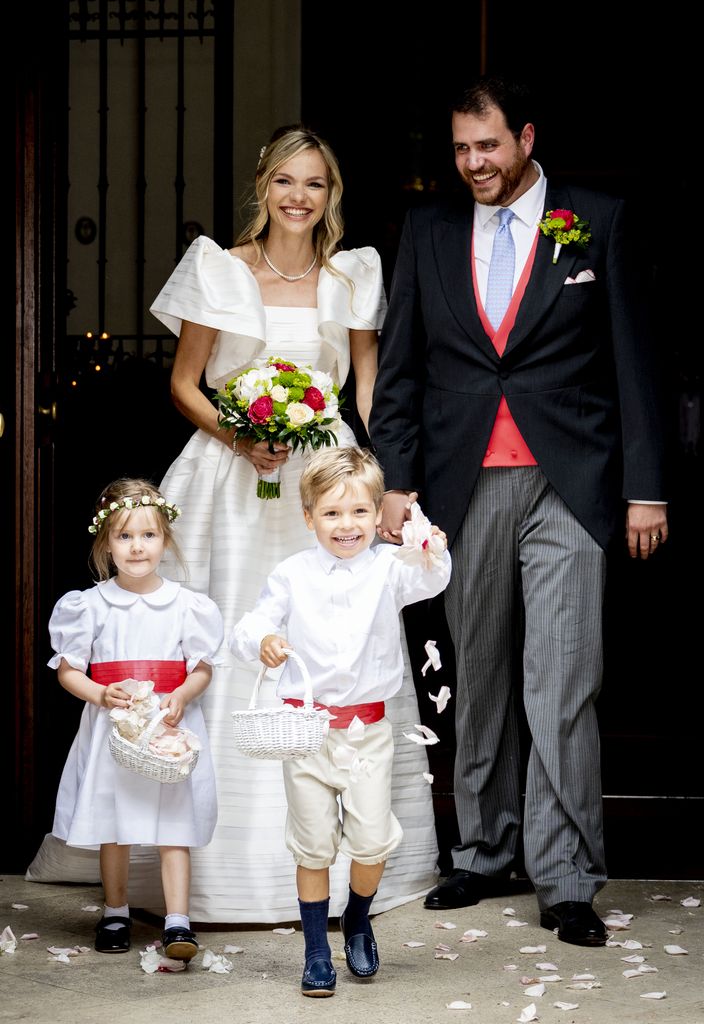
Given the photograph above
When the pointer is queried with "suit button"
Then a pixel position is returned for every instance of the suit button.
(504, 374)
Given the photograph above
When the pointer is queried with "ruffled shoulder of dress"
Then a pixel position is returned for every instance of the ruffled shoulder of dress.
(71, 628)
(213, 288)
(353, 297)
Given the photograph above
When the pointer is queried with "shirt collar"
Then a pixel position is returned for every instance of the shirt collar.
(330, 562)
(527, 208)
(116, 595)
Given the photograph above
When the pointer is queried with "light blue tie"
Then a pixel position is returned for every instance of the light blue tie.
(503, 259)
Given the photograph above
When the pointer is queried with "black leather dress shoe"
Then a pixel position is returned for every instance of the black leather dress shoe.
(464, 889)
(319, 979)
(361, 952)
(576, 922)
(179, 943)
(113, 940)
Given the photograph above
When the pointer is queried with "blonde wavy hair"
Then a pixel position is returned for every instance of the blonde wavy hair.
(330, 467)
(135, 488)
(286, 143)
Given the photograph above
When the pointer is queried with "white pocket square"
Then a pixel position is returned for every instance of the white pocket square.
(583, 277)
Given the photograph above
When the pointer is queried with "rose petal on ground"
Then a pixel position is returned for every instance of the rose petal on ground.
(628, 944)
(653, 995)
(216, 963)
(62, 958)
(442, 698)
(535, 991)
(647, 969)
(283, 931)
(528, 1013)
(151, 961)
(8, 942)
(475, 933)
(583, 977)
(633, 972)
(615, 923)
(446, 956)
(443, 948)
(675, 950)
(20, 906)
(585, 985)
(413, 944)
(339, 954)
(546, 967)
(458, 1004)
(233, 949)
(444, 924)
(533, 949)
(559, 1005)
(469, 938)
(676, 931)
(691, 901)
(510, 967)
(512, 923)
(30, 935)
(657, 897)
(508, 912)
(549, 977)
(90, 908)
(633, 959)
(525, 980)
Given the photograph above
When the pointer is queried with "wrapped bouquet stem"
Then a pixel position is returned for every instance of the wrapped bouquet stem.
(275, 400)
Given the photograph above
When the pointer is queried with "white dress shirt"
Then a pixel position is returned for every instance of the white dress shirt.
(342, 617)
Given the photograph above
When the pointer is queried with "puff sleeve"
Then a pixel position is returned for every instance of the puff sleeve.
(203, 630)
(72, 630)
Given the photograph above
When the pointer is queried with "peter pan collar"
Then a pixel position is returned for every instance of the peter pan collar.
(115, 595)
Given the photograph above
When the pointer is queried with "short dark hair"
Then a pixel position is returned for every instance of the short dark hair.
(512, 98)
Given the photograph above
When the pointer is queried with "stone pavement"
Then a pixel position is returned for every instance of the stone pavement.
(411, 987)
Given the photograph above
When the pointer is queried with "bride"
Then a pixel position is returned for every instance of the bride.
(286, 289)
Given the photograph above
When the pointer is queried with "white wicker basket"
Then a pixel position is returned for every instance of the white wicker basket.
(282, 733)
(138, 758)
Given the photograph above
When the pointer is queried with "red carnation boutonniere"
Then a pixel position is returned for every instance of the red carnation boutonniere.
(566, 228)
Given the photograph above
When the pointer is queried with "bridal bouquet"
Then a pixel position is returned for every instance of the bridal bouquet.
(279, 401)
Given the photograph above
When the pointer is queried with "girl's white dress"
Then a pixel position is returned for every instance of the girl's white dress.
(231, 540)
(99, 801)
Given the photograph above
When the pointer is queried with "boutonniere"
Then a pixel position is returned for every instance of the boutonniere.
(566, 228)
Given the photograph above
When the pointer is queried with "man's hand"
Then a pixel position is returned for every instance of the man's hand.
(395, 510)
(646, 529)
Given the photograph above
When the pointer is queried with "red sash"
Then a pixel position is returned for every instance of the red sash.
(366, 713)
(166, 675)
(506, 446)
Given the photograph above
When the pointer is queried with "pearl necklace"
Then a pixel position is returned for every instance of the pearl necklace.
(288, 277)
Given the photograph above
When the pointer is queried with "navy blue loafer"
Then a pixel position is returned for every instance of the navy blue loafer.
(179, 943)
(361, 952)
(319, 979)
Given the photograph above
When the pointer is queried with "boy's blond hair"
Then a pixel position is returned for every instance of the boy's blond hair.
(333, 466)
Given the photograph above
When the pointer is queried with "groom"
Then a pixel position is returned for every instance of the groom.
(516, 391)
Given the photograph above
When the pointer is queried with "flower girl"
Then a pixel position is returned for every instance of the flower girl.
(132, 644)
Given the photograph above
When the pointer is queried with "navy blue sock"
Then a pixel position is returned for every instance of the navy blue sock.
(356, 914)
(314, 921)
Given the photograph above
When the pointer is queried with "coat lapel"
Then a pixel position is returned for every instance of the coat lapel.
(452, 239)
(547, 278)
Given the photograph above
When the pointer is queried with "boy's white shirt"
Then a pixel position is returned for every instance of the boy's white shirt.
(342, 617)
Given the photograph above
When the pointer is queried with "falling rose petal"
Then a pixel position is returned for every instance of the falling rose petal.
(446, 956)
(546, 967)
(653, 995)
(233, 949)
(283, 931)
(508, 912)
(429, 778)
(516, 924)
(633, 959)
(676, 950)
(442, 698)
(559, 1005)
(528, 1013)
(533, 949)
(444, 924)
(475, 933)
(433, 661)
(90, 908)
(216, 963)
(535, 991)
(427, 739)
(20, 906)
(458, 1004)
(658, 897)
(413, 944)
(690, 901)
(356, 730)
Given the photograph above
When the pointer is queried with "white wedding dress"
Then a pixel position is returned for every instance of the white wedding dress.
(231, 540)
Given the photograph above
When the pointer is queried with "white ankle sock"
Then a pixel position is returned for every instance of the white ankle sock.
(115, 912)
(177, 921)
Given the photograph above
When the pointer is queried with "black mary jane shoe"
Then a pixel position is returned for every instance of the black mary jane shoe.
(361, 952)
(113, 940)
(319, 979)
(575, 922)
(179, 943)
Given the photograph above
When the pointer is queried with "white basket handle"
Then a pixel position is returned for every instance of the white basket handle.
(307, 681)
(151, 728)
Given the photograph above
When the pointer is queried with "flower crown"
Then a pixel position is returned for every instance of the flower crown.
(170, 511)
